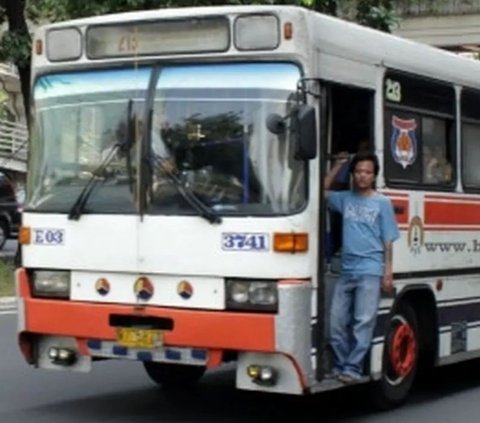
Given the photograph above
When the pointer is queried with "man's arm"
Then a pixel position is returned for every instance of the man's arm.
(387, 282)
(330, 178)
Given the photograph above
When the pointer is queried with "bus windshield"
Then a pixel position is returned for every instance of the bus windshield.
(206, 126)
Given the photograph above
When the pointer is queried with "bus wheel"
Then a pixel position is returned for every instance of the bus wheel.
(400, 358)
(173, 375)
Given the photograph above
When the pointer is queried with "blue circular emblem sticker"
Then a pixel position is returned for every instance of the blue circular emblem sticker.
(143, 288)
(185, 290)
(102, 286)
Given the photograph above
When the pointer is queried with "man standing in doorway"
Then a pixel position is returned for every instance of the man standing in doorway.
(369, 230)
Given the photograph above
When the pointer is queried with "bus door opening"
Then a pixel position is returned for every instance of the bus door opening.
(349, 129)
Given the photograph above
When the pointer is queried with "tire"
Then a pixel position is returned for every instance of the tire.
(3, 234)
(400, 359)
(173, 375)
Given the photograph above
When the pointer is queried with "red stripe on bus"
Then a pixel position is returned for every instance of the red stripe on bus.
(457, 228)
(453, 197)
(401, 210)
(23, 286)
(440, 213)
(192, 328)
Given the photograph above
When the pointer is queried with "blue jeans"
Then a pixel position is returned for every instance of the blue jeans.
(352, 320)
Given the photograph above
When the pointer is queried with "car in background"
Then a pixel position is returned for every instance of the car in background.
(10, 210)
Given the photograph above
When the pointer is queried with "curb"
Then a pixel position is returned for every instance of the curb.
(8, 303)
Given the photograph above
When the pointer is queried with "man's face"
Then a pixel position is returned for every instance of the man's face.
(364, 175)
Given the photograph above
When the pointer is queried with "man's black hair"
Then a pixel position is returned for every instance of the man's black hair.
(362, 157)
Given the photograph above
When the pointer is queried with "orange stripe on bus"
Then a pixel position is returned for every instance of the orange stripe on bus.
(473, 199)
(192, 328)
(23, 287)
(457, 228)
(215, 358)
(437, 213)
(82, 346)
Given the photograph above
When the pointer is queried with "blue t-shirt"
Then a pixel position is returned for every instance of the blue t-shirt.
(368, 222)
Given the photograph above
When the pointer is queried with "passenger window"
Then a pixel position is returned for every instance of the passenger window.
(471, 155)
(419, 132)
(437, 160)
(470, 140)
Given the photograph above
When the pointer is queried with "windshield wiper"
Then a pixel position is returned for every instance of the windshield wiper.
(150, 159)
(78, 206)
(188, 195)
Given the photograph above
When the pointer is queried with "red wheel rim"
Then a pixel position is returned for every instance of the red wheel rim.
(403, 349)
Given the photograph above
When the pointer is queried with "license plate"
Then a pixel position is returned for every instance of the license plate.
(139, 338)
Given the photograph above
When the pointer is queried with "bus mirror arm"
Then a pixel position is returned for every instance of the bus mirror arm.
(308, 86)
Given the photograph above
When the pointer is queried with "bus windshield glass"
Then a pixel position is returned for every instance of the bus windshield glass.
(206, 133)
(79, 120)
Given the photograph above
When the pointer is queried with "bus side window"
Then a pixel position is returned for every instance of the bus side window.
(470, 139)
(420, 142)
(437, 167)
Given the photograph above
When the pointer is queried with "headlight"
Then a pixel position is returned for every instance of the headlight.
(51, 283)
(239, 292)
(252, 295)
(263, 293)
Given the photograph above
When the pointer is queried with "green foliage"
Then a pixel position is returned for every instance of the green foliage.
(378, 14)
(15, 47)
(330, 7)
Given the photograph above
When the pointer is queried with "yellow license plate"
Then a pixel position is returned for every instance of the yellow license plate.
(139, 338)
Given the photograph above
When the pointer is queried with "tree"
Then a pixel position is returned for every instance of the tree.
(377, 14)
(15, 44)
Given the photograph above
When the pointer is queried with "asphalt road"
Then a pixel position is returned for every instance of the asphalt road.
(9, 249)
(121, 392)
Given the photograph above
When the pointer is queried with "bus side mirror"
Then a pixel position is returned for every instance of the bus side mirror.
(305, 122)
(276, 124)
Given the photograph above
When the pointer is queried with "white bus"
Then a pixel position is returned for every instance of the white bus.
(175, 213)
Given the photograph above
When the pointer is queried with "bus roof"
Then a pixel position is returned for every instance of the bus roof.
(180, 12)
(359, 43)
(331, 35)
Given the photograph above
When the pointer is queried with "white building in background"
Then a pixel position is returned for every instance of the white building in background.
(449, 24)
(11, 100)
(13, 129)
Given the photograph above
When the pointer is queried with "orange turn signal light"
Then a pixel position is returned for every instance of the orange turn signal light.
(290, 242)
(38, 47)
(287, 31)
(24, 235)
